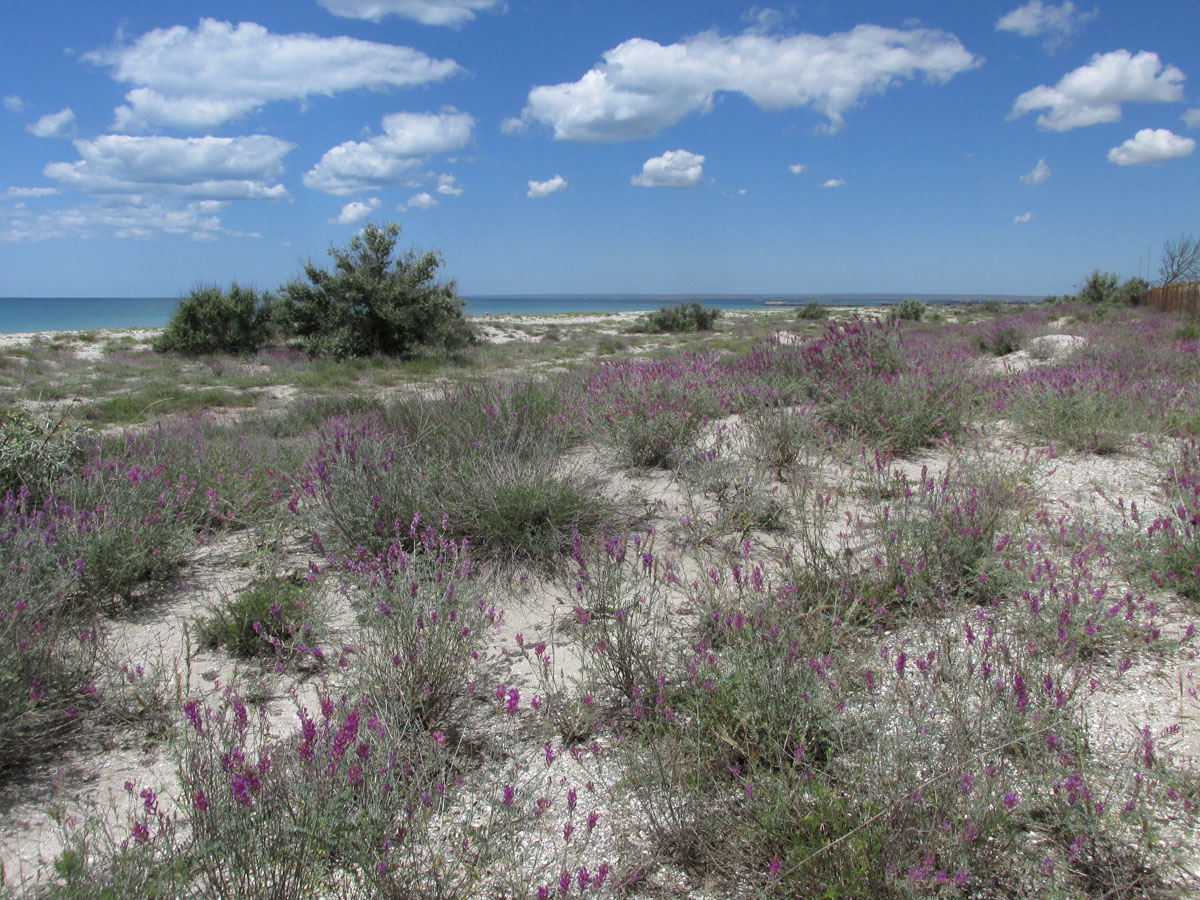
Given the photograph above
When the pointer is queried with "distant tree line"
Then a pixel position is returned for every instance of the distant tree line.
(1179, 262)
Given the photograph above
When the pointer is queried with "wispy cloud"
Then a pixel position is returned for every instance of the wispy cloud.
(834, 183)
(26, 192)
(1191, 118)
(1040, 174)
(133, 218)
(207, 167)
(427, 12)
(1056, 25)
(13, 103)
(59, 124)
(797, 168)
(1023, 218)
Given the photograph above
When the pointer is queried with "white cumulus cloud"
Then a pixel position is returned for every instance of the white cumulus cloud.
(547, 187)
(13, 103)
(797, 168)
(211, 167)
(1054, 24)
(448, 185)
(390, 158)
(1023, 218)
(59, 124)
(1191, 118)
(642, 87)
(219, 71)
(427, 12)
(675, 168)
(422, 200)
(1093, 93)
(834, 183)
(355, 211)
(1151, 146)
(1040, 174)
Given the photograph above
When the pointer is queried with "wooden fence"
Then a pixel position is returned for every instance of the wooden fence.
(1176, 298)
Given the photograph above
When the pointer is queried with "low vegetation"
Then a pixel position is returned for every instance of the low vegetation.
(786, 609)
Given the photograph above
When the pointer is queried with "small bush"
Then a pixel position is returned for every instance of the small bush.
(812, 311)
(910, 309)
(35, 453)
(269, 617)
(992, 307)
(686, 317)
(1001, 341)
(607, 346)
(1084, 408)
(210, 320)
(1188, 331)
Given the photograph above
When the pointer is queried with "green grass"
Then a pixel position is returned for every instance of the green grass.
(152, 401)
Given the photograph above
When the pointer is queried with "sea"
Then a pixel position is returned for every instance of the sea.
(24, 314)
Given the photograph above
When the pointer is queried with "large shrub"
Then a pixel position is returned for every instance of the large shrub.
(686, 317)
(1106, 287)
(373, 301)
(210, 320)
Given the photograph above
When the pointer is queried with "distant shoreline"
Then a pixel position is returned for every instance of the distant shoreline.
(37, 315)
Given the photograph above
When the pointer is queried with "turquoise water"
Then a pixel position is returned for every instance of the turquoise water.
(80, 313)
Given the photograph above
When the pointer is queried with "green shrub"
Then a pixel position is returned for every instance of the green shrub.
(607, 346)
(991, 306)
(35, 453)
(1133, 292)
(210, 320)
(1001, 341)
(686, 317)
(910, 309)
(375, 302)
(812, 310)
(1106, 287)
(269, 617)
(1188, 331)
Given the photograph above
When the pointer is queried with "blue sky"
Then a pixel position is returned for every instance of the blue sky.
(598, 147)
